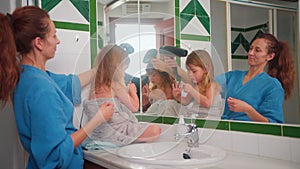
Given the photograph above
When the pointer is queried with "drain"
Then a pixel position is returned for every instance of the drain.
(186, 156)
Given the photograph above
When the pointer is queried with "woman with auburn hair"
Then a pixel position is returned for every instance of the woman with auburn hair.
(43, 101)
(255, 95)
(9, 63)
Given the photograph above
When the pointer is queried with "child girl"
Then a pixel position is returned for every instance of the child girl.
(204, 90)
(123, 128)
(159, 87)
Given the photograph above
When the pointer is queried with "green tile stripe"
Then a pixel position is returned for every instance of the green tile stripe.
(93, 29)
(177, 24)
(257, 128)
(150, 118)
(239, 56)
(291, 131)
(170, 120)
(271, 129)
(139, 117)
(176, 3)
(212, 124)
(71, 26)
(195, 37)
(49, 4)
(249, 29)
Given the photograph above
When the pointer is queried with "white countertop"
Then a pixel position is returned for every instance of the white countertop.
(233, 160)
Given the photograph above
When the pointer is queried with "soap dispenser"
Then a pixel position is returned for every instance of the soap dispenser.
(181, 128)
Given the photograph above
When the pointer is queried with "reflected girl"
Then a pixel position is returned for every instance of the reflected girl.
(159, 87)
(123, 128)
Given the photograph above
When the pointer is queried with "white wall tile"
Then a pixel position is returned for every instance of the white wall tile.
(295, 150)
(274, 147)
(221, 139)
(245, 142)
(72, 56)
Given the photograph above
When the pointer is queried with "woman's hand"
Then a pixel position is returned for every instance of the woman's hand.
(237, 105)
(162, 66)
(105, 112)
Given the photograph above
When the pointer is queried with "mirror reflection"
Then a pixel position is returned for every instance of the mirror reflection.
(144, 30)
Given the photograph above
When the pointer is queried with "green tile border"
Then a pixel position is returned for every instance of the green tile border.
(248, 127)
(177, 24)
(212, 124)
(71, 26)
(176, 3)
(93, 30)
(249, 29)
(195, 37)
(239, 56)
(291, 131)
(170, 120)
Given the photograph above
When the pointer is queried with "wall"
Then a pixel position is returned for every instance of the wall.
(74, 53)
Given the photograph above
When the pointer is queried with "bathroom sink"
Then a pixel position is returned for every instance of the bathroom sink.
(172, 154)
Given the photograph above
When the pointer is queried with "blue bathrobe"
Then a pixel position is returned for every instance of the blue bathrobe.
(43, 105)
(264, 93)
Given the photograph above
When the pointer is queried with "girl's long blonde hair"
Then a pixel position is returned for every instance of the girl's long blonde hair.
(111, 61)
(202, 59)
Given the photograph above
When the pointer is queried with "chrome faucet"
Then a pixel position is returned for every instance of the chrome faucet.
(191, 134)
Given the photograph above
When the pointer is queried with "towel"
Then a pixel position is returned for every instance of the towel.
(122, 129)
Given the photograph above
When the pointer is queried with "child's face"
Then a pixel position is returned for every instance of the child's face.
(154, 77)
(196, 73)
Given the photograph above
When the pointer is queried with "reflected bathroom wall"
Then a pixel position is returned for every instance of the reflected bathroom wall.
(156, 25)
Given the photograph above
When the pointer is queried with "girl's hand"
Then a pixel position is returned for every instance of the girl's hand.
(105, 111)
(237, 105)
(145, 95)
(176, 90)
(186, 87)
(131, 88)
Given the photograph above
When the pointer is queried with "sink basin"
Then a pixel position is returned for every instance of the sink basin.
(172, 154)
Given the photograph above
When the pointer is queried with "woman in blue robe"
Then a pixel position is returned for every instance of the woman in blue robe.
(43, 102)
(255, 95)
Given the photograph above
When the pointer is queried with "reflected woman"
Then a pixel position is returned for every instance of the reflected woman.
(255, 95)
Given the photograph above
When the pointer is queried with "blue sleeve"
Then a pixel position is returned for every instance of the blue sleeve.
(51, 145)
(69, 85)
(271, 106)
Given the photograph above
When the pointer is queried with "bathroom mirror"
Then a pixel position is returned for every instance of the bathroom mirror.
(247, 22)
(148, 24)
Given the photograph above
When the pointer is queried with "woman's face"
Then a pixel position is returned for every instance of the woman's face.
(51, 41)
(195, 73)
(258, 53)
